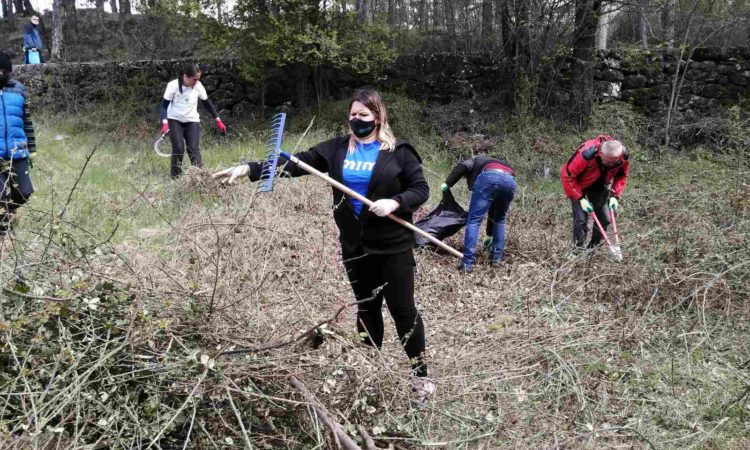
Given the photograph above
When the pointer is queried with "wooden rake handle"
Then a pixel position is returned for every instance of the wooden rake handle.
(313, 171)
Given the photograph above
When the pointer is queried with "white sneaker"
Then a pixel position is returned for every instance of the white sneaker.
(423, 388)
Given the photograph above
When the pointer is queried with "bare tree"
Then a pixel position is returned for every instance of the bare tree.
(422, 21)
(508, 34)
(7, 9)
(498, 17)
(19, 6)
(113, 6)
(99, 4)
(667, 22)
(606, 22)
(486, 20)
(364, 11)
(450, 22)
(27, 8)
(438, 15)
(392, 13)
(125, 8)
(586, 12)
(57, 30)
(641, 32)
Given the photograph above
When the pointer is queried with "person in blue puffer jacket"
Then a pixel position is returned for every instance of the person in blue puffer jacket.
(17, 145)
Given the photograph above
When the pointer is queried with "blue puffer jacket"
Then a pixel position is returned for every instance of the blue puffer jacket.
(13, 140)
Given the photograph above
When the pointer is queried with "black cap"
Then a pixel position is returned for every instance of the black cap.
(5, 63)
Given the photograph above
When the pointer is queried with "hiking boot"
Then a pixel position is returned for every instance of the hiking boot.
(465, 269)
(422, 388)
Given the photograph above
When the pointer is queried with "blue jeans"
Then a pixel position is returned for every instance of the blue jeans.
(493, 192)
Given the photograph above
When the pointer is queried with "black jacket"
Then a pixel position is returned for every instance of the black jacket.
(397, 175)
(471, 168)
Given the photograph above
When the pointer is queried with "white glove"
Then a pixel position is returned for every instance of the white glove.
(229, 175)
(384, 207)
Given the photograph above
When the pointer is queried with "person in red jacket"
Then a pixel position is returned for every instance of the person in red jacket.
(593, 179)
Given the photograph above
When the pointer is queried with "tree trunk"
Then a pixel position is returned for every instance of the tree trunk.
(113, 6)
(498, 21)
(6, 9)
(486, 20)
(509, 47)
(438, 15)
(99, 4)
(27, 8)
(667, 22)
(523, 53)
(392, 13)
(583, 56)
(641, 35)
(57, 31)
(606, 21)
(19, 6)
(125, 8)
(422, 14)
(450, 22)
(364, 13)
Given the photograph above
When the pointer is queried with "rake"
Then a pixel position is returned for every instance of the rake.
(614, 249)
(268, 173)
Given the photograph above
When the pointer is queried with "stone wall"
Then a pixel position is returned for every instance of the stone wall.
(715, 77)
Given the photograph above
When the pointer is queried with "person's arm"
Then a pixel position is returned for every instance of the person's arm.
(621, 179)
(167, 98)
(574, 167)
(163, 109)
(460, 170)
(417, 190)
(28, 128)
(203, 97)
(210, 108)
(28, 39)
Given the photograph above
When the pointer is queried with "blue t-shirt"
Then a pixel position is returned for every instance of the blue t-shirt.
(358, 167)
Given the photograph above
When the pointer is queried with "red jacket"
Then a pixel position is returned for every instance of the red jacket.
(585, 169)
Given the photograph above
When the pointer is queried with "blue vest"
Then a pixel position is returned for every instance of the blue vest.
(13, 143)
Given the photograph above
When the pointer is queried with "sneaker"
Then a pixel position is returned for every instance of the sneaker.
(423, 388)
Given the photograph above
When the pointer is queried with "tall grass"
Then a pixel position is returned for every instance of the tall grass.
(113, 317)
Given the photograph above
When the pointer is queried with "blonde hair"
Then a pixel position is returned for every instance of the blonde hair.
(372, 101)
(612, 148)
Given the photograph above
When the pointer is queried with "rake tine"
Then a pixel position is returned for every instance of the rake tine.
(273, 147)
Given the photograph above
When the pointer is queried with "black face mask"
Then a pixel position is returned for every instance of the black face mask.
(4, 79)
(362, 128)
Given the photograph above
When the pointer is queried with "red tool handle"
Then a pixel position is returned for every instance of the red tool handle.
(614, 226)
(601, 229)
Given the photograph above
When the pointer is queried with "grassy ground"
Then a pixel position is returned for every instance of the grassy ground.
(545, 352)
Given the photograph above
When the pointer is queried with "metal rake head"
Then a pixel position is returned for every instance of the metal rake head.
(268, 173)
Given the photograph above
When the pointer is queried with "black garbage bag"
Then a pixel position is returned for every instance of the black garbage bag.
(444, 221)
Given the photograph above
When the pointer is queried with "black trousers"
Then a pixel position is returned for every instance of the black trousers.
(180, 134)
(17, 188)
(395, 274)
(598, 196)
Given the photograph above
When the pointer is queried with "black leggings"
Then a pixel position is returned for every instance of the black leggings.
(598, 197)
(181, 133)
(367, 273)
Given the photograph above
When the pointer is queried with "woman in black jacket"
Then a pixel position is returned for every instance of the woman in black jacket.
(377, 252)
